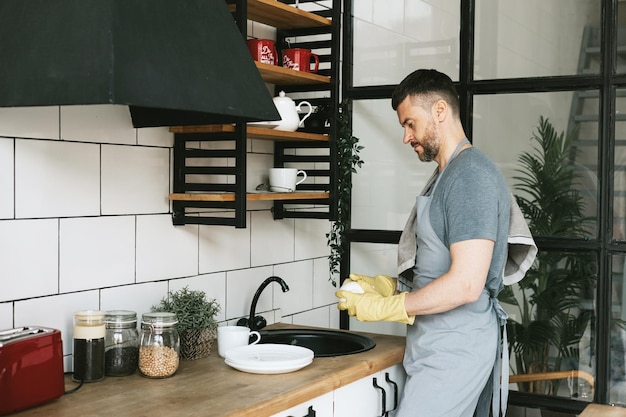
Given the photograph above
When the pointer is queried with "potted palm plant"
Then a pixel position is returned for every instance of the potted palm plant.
(196, 320)
(550, 317)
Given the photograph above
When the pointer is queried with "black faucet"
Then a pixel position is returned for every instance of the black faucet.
(258, 322)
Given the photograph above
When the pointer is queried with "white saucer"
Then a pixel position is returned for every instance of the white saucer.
(268, 358)
(266, 125)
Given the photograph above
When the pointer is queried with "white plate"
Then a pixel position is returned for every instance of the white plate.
(267, 371)
(270, 364)
(269, 358)
(269, 354)
(267, 125)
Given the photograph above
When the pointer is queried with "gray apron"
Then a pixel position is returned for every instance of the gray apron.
(450, 357)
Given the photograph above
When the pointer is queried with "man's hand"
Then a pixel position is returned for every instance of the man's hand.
(381, 284)
(374, 307)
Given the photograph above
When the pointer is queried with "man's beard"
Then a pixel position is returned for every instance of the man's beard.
(430, 145)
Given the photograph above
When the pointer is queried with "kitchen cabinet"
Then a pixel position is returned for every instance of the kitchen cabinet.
(373, 396)
(321, 406)
(210, 175)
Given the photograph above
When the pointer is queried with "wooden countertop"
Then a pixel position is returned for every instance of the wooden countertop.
(598, 410)
(208, 387)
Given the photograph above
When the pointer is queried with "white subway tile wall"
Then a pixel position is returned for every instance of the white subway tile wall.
(6, 315)
(240, 288)
(139, 298)
(155, 136)
(165, 251)
(320, 317)
(224, 248)
(135, 179)
(85, 224)
(56, 179)
(96, 252)
(271, 242)
(323, 291)
(29, 258)
(18, 122)
(258, 169)
(6, 178)
(299, 297)
(98, 123)
(310, 238)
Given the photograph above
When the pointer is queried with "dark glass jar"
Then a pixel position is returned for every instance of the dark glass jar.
(159, 347)
(121, 343)
(88, 354)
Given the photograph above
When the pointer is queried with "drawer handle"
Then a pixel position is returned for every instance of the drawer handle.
(395, 391)
(383, 395)
(311, 412)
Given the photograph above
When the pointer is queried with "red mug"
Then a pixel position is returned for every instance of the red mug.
(299, 59)
(263, 50)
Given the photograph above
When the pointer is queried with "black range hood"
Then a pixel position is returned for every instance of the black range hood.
(173, 62)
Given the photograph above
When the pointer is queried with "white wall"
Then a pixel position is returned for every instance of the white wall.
(85, 223)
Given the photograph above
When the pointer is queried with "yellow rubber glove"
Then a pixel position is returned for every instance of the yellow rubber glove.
(374, 307)
(382, 284)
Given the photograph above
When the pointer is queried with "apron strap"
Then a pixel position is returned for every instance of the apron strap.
(500, 396)
(497, 387)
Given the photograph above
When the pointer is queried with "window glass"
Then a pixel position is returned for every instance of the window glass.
(619, 173)
(392, 38)
(621, 37)
(617, 357)
(562, 185)
(385, 187)
(532, 38)
(551, 326)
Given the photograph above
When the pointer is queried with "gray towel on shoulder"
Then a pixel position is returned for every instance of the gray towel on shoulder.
(521, 254)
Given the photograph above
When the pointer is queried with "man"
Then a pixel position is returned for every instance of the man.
(455, 265)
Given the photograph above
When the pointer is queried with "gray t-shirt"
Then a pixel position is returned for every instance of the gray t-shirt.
(471, 201)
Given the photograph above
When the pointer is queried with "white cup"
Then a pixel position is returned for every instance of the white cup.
(229, 337)
(284, 179)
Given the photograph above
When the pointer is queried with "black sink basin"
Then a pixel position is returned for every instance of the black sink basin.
(323, 343)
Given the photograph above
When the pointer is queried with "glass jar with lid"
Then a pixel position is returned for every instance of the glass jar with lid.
(121, 343)
(159, 346)
(88, 354)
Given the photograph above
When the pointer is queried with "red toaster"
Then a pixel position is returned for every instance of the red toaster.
(31, 367)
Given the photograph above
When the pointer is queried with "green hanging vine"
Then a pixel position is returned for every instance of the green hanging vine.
(348, 160)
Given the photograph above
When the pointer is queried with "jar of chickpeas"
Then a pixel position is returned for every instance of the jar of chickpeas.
(159, 346)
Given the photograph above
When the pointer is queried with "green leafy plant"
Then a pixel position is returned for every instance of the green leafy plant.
(193, 310)
(550, 316)
(348, 160)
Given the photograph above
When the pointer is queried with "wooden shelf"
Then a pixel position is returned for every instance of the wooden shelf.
(250, 196)
(282, 16)
(275, 74)
(254, 133)
(289, 21)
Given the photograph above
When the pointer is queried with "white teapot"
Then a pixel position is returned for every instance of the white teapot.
(290, 120)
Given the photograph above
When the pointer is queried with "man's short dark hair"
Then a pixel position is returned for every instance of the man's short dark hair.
(427, 82)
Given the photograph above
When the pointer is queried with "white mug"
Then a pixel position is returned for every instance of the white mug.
(229, 337)
(284, 179)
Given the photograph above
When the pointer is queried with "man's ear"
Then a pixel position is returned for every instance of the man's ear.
(441, 110)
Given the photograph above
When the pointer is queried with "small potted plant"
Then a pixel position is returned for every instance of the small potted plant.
(196, 320)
